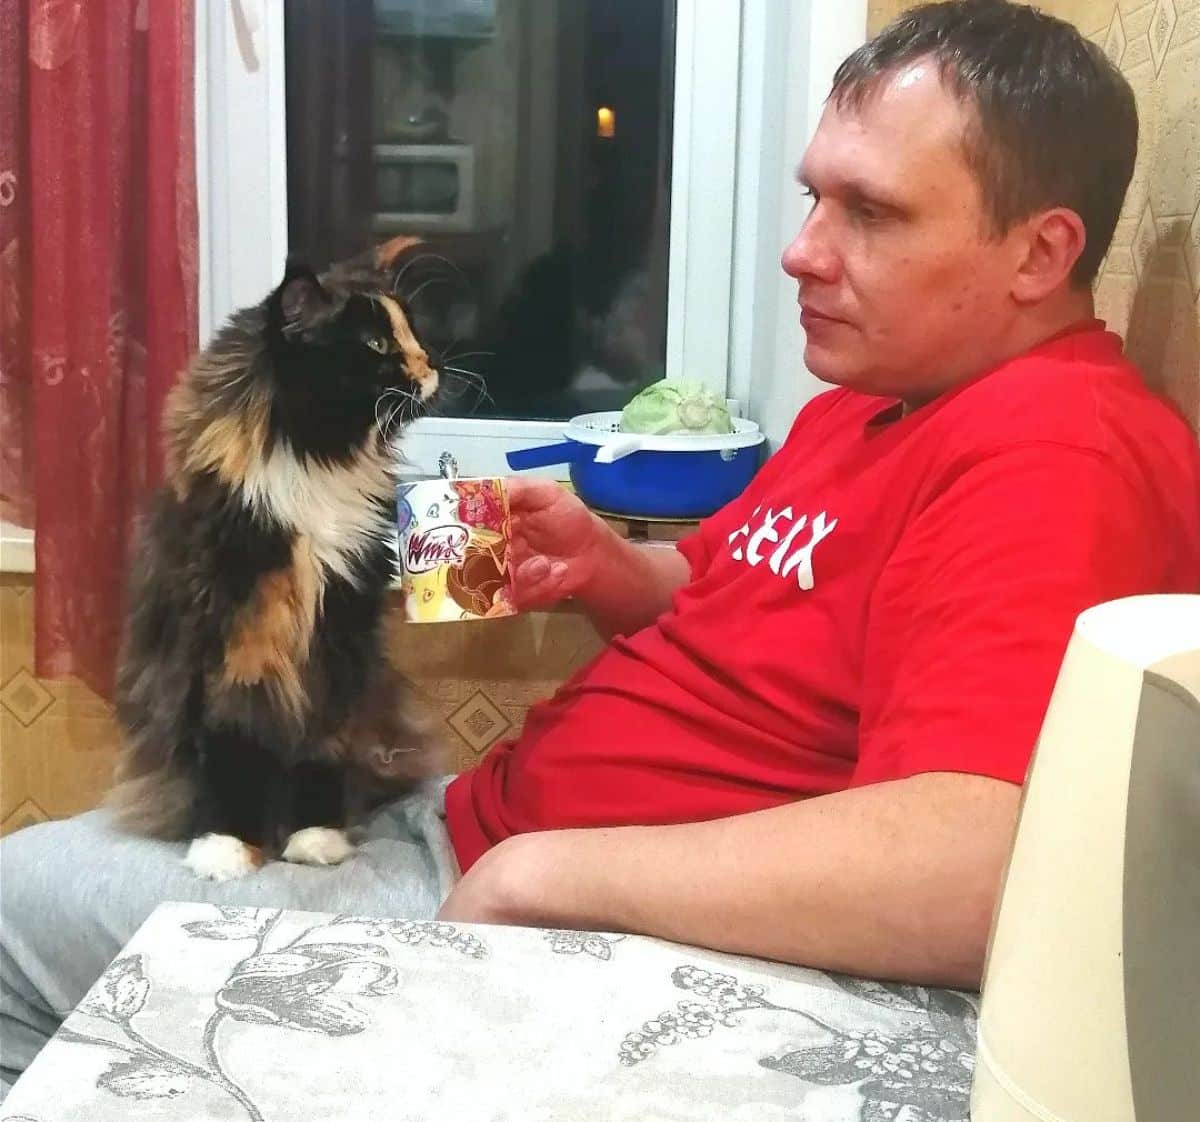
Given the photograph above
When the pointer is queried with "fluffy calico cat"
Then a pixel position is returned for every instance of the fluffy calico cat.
(258, 707)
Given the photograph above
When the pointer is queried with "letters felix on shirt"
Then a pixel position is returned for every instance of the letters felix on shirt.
(769, 543)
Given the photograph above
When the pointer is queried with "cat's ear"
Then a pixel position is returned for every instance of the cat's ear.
(299, 300)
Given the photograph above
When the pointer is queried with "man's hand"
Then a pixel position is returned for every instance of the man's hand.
(897, 880)
(561, 549)
(557, 542)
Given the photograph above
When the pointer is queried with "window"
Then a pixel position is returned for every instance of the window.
(525, 146)
(579, 164)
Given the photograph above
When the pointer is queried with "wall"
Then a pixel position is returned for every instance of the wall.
(790, 52)
(1149, 286)
(58, 739)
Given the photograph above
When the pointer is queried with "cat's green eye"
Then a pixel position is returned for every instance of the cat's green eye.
(377, 343)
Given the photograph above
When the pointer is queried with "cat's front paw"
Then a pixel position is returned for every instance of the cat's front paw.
(318, 845)
(221, 857)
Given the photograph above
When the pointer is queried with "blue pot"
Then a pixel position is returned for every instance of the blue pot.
(654, 482)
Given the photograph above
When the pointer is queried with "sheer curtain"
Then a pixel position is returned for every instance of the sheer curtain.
(98, 291)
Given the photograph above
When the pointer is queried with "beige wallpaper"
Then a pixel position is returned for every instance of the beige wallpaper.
(58, 739)
(1149, 286)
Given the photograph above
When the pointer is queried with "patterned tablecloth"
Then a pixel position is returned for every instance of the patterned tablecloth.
(248, 1015)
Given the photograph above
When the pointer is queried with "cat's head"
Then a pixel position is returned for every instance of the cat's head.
(344, 359)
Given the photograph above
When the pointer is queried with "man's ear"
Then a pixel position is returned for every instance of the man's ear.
(299, 299)
(1054, 241)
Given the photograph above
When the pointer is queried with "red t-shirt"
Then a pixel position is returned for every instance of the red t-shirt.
(891, 595)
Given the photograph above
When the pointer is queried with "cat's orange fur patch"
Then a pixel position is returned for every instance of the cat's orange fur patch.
(415, 358)
(230, 445)
(271, 635)
(386, 254)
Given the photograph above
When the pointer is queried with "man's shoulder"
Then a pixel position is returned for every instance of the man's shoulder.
(836, 409)
(1077, 390)
(1080, 392)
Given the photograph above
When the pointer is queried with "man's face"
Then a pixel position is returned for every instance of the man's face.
(904, 288)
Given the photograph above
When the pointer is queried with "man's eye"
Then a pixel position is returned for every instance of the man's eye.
(377, 343)
(865, 212)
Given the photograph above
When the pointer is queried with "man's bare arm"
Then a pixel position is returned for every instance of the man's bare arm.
(896, 880)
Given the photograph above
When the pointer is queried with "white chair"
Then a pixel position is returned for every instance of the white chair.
(1091, 998)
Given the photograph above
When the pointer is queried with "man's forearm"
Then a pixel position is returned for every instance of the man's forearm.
(632, 586)
(897, 880)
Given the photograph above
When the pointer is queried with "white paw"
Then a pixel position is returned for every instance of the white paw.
(220, 857)
(318, 845)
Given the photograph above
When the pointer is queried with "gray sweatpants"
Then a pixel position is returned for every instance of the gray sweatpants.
(72, 894)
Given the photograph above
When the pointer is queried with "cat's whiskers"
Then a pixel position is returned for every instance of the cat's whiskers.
(420, 259)
(425, 257)
(383, 425)
(474, 380)
(400, 273)
(421, 288)
(380, 425)
(397, 410)
(468, 354)
(419, 406)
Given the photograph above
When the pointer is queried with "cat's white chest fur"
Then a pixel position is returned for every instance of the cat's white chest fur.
(334, 506)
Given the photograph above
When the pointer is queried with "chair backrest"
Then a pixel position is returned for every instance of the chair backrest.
(1091, 995)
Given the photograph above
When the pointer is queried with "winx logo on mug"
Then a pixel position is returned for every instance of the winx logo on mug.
(442, 545)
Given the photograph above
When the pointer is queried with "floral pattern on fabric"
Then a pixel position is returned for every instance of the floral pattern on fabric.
(268, 1016)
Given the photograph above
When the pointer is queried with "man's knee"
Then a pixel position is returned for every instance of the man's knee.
(53, 859)
(36, 874)
(65, 902)
(49, 953)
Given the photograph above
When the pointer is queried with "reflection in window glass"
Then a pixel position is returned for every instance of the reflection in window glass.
(524, 146)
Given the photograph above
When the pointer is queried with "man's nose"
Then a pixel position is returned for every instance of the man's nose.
(812, 253)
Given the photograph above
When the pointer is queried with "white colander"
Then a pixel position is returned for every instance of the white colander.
(604, 431)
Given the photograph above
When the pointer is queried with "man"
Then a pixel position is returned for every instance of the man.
(807, 738)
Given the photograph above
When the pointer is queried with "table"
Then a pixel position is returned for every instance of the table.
(257, 1015)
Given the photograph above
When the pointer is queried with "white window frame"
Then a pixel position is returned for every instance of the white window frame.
(724, 193)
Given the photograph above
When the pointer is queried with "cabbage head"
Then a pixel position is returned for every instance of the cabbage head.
(670, 408)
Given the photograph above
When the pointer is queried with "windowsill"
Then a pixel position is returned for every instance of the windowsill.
(16, 549)
(16, 546)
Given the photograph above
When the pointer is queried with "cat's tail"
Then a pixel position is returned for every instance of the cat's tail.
(154, 783)
(157, 804)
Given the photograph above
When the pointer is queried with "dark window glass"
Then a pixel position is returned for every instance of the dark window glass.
(526, 144)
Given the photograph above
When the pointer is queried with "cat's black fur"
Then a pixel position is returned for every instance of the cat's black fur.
(254, 691)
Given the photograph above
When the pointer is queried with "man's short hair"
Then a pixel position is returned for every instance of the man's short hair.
(1055, 123)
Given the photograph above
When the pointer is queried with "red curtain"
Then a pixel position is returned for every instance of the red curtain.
(98, 282)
